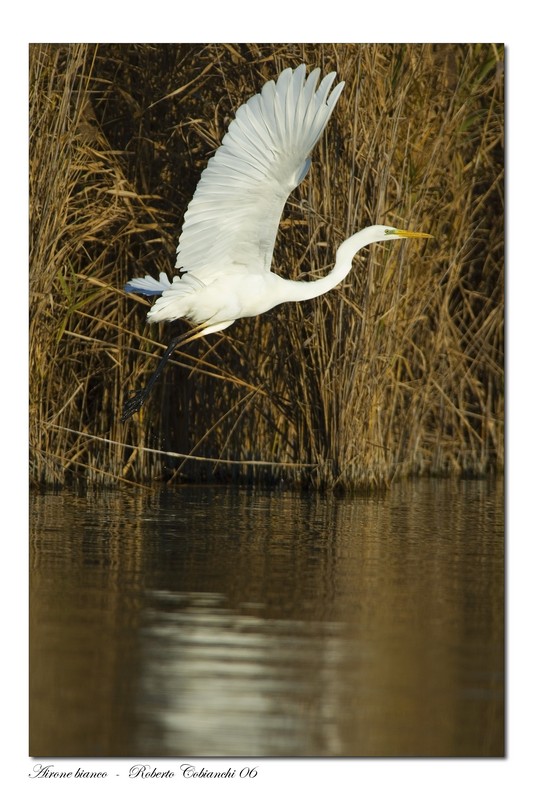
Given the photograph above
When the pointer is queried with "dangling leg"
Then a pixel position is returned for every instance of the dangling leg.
(134, 403)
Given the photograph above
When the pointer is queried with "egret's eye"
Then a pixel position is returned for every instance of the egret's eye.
(390, 232)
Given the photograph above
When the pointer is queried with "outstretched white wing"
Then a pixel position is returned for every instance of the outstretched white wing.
(234, 215)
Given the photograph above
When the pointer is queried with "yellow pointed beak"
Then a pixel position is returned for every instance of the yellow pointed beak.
(411, 234)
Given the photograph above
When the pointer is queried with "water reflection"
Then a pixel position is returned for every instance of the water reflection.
(209, 672)
(223, 622)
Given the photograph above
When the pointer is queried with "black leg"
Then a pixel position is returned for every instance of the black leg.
(134, 403)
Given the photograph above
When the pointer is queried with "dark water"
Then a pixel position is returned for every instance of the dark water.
(219, 622)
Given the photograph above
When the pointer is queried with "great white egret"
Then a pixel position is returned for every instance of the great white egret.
(225, 249)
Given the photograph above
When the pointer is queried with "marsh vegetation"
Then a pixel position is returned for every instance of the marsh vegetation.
(397, 372)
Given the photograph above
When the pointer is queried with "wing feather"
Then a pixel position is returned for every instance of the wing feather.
(234, 215)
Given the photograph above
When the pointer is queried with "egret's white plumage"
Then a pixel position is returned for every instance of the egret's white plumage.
(231, 223)
(225, 249)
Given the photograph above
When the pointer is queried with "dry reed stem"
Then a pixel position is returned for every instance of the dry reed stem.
(397, 372)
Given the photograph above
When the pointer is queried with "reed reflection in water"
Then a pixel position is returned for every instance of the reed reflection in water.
(212, 622)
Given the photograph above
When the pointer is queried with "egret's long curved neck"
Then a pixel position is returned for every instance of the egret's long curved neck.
(306, 290)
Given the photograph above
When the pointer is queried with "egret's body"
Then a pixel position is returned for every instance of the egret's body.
(225, 250)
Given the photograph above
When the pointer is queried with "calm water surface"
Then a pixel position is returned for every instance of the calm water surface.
(219, 622)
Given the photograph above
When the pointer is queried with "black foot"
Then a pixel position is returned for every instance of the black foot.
(133, 404)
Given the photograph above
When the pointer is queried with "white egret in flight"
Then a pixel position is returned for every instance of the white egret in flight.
(224, 253)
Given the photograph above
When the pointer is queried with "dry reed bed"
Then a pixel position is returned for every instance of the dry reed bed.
(397, 372)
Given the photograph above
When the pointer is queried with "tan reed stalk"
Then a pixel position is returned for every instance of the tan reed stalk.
(397, 372)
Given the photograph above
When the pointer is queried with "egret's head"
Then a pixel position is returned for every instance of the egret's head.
(382, 233)
(396, 233)
(373, 234)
